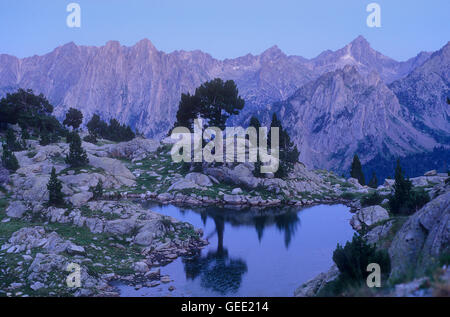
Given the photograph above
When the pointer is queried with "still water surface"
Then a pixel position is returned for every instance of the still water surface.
(253, 252)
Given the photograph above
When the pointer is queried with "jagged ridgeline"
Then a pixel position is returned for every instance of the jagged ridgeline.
(352, 100)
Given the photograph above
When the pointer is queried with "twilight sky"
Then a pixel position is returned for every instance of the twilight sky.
(226, 29)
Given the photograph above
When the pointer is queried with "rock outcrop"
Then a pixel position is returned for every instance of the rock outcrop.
(368, 216)
(420, 241)
(313, 286)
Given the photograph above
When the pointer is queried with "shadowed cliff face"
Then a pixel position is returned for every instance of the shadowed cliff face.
(344, 112)
(141, 86)
(425, 91)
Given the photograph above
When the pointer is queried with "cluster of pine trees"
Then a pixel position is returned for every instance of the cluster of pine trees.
(288, 150)
(114, 131)
(33, 113)
(214, 102)
(406, 200)
(356, 172)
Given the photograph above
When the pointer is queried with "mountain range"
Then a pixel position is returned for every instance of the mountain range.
(352, 100)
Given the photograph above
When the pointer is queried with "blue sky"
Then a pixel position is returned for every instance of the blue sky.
(226, 29)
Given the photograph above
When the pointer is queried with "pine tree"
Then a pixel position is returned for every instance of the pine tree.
(77, 156)
(356, 170)
(373, 181)
(54, 186)
(9, 160)
(215, 101)
(11, 141)
(24, 136)
(254, 122)
(288, 151)
(74, 118)
(97, 191)
(402, 191)
(353, 258)
(96, 126)
(45, 138)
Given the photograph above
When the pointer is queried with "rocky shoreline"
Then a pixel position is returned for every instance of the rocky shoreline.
(414, 244)
(229, 201)
(154, 241)
(115, 239)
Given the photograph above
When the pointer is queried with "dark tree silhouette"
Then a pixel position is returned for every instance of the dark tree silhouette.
(356, 170)
(54, 186)
(214, 101)
(74, 118)
(288, 150)
(217, 271)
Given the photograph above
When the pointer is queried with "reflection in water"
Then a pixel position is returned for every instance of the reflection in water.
(260, 222)
(217, 270)
(253, 252)
(287, 223)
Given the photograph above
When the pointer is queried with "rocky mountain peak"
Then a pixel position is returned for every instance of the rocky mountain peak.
(273, 52)
(145, 43)
(360, 42)
(67, 48)
(112, 44)
(141, 86)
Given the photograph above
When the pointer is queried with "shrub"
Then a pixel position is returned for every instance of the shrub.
(373, 181)
(418, 198)
(90, 138)
(11, 141)
(353, 258)
(348, 195)
(45, 139)
(9, 160)
(25, 133)
(97, 191)
(371, 199)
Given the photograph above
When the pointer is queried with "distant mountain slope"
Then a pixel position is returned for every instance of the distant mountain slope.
(340, 102)
(141, 85)
(425, 91)
(344, 112)
(359, 53)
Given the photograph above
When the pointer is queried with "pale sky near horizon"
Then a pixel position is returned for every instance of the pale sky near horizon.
(226, 29)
